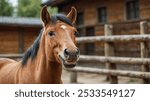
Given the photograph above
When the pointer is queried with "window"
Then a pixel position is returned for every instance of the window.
(80, 19)
(102, 15)
(90, 47)
(132, 9)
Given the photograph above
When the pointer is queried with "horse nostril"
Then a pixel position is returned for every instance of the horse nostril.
(71, 55)
(66, 53)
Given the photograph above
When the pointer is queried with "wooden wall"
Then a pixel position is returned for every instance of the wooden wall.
(8, 42)
(115, 10)
(29, 37)
(14, 39)
(145, 9)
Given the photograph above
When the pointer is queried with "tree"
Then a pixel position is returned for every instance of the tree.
(6, 8)
(29, 8)
(53, 10)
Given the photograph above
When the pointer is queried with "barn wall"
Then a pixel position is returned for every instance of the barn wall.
(116, 14)
(145, 9)
(115, 10)
(29, 37)
(10, 38)
(8, 42)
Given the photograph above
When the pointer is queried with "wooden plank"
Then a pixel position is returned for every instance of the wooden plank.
(116, 60)
(114, 38)
(21, 41)
(144, 50)
(136, 74)
(8, 42)
(11, 55)
(109, 51)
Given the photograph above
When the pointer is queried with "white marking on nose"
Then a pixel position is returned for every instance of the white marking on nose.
(63, 26)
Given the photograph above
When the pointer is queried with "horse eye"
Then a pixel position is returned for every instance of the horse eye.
(76, 34)
(51, 33)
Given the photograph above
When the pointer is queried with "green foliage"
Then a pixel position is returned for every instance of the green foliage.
(32, 8)
(53, 10)
(25, 8)
(29, 8)
(6, 8)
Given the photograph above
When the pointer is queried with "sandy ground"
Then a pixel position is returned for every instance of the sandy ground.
(87, 78)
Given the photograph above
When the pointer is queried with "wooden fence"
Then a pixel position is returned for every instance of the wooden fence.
(109, 59)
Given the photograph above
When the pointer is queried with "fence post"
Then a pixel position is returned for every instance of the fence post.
(73, 77)
(109, 51)
(144, 48)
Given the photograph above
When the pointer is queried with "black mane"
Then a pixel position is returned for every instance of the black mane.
(32, 51)
(60, 17)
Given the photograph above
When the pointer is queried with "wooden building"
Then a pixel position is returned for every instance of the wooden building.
(17, 34)
(124, 15)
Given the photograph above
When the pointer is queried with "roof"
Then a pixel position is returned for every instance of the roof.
(20, 21)
(56, 2)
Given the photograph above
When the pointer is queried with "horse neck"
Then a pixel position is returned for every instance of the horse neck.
(46, 71)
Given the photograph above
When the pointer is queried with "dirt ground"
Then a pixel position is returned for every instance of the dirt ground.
(87, 78)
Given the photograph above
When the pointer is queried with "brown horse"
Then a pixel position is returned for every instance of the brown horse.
(54, 48)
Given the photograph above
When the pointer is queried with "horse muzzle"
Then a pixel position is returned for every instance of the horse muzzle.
(70, 57)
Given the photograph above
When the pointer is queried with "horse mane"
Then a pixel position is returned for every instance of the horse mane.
(32, 51)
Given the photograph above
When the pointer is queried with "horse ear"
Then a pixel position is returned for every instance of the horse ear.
(45, 16)
(72, 15)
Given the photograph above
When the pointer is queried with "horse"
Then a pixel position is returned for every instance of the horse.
(55, 48)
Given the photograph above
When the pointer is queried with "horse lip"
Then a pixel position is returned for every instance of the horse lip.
(67, 65)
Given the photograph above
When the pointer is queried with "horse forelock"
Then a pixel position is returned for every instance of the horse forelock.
(60, 17)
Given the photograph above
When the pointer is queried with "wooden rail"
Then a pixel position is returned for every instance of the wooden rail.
(116, 60)
(144, 48)
(11, 55)
(114, 38)
(136, 74)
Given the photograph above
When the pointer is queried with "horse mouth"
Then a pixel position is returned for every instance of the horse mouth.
(67, 64)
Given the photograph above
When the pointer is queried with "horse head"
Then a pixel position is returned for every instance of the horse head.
(60, 37)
